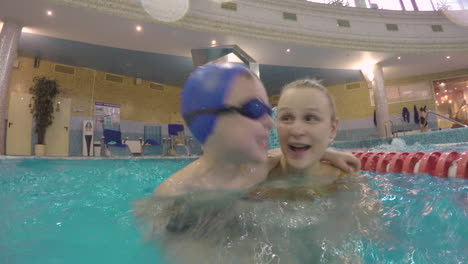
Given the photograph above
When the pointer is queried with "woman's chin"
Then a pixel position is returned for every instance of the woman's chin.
(296, 164)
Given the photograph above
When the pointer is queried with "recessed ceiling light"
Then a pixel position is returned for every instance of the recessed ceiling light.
(437, 93)
(139, 28)
(448, 57)
(399, 58)
(288, 50)
(49, 13)
(213, 42)
(27, 30)
(450, 101)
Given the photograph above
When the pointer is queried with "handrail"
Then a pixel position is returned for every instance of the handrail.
(447, 118)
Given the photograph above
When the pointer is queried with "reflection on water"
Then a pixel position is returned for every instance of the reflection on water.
(80, 211)
(238, 229)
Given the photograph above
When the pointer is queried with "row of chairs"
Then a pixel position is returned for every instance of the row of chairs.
(152, 143)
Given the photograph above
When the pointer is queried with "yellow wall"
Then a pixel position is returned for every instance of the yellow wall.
(355, 103)
(86, 86)
(141, 103)
(352, 103)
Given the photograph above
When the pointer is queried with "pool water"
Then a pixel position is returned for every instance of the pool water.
(399, 145)
(76, 211)
(80, 211)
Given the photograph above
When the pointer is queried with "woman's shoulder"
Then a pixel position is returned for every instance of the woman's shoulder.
(327, 169)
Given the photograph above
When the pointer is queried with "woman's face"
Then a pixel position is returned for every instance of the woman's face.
(239, 137)
(304, 124)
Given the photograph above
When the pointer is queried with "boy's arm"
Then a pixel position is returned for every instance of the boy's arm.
(342, 160)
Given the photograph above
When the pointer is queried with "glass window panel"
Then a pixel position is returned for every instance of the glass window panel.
(393, 94)
(350, 2)
(426, 5)
(423, 5)
(408, 5)
(408, 92)
(451, 95)
(415, 91)
(389, 5)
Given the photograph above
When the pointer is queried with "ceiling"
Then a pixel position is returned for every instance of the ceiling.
(162, 68)
(161, 52)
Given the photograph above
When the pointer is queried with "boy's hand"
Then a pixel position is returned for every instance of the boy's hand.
(344, 161)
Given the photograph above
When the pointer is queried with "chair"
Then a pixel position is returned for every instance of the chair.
(178, 145)
(113, 143)
(195, 148)
(152, 141)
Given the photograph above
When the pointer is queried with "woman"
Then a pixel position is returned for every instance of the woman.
(306, 126)
(423, 124)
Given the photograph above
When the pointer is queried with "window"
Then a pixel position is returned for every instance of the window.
(450, 95)
(406, 92)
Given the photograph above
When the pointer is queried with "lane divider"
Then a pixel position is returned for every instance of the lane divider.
(449, 164)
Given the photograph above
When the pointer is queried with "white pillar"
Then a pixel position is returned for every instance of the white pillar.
(9, 39)
(374, 76)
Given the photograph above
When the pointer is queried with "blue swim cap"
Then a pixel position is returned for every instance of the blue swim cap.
(207, 88)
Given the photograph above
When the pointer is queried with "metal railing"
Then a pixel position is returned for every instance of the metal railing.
(447, 118)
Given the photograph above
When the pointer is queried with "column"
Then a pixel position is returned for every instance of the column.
(374, 76)
(9, 40)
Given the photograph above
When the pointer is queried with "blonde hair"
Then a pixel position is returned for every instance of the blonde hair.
(314, 84)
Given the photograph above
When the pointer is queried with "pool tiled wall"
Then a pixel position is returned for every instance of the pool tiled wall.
(434, 137)
(363, 129)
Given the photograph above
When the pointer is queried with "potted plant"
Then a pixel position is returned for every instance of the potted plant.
(44, 91)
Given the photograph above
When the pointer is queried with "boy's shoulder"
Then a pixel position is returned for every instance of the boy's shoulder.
(178, 183)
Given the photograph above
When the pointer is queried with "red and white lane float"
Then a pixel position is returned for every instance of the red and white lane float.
(396, 164)
(449, 164)
(384, 163)
(413, 159)
(428, 163)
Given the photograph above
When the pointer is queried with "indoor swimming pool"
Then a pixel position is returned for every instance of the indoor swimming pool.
(80, 211)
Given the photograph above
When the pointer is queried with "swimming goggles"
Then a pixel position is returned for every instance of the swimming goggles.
(253, 109)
